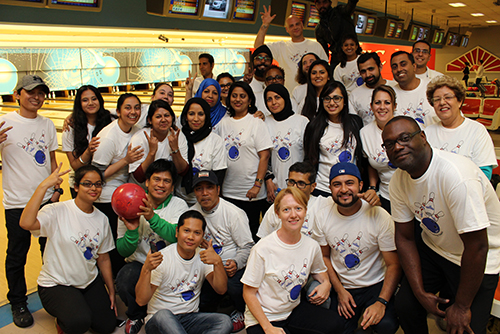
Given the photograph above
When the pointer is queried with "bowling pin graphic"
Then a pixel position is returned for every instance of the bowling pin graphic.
(456, 150)
(429, 206)
(444, 147)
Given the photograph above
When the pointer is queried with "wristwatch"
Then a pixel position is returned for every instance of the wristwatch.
(259, 181)
(59, 190)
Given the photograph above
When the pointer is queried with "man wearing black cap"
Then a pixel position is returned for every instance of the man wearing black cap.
(28, 143)
(260, 61)
(229, 231)
(359, 252)
(288, 53)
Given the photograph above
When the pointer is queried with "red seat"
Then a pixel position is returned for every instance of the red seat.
(472, 107)
(491, 90)
(490, 106)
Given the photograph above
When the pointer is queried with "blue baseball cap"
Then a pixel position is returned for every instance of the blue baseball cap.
(344, 168)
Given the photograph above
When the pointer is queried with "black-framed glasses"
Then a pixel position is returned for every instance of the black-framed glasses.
(226, 85)
(335, 98)
(298, 184)
(447, 98)
(88, 184)
(277, 77)
(403, 140)
(265, 58)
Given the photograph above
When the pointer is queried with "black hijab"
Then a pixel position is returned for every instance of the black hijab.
(283, 92)
(193, 137)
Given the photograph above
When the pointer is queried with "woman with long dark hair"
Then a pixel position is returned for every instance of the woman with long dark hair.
(299, 93)
(247, 142)
(332, 136)
(80, 141)
(205, 149)
(347, 71)
(319, 75)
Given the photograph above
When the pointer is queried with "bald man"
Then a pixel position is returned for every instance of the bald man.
(288, 53)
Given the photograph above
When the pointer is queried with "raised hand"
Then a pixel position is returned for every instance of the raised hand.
(3, 132)
(173, 139)
(55, 179)
(266, 16)
(190, 80)
(134, 154)
(209, 256)
(152, 142)
(147, 209)
(93, 145)
(153, 260)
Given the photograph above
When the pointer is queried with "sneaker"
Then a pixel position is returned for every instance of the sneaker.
(21, 315)
(238, 320)
(133, 326)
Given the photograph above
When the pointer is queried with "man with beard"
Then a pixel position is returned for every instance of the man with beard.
(421, 51)
(260, 61)
(460, 220)
(370, 68)
(410, 91)
(288, 53)
(334, 24)
(357, 242)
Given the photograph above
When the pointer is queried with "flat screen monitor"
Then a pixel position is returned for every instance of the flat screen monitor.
(216, 9)
(399, 30)
(427, 31)
(421, 33)
(183, 8)
(456, 40)
(245, 10)
(414, 33)
(313, 19)
(361, 22)
(441, 38)
(391, 29)
(93, 5)
(370, 25)
(299, 10)
(465, 41)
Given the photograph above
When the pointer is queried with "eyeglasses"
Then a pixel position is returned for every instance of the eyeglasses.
(226, 85)
(425, 51)
(277, 78)
(447, 98)
(335, 98)
(403, 140)
(298, 184)
(97, 184)
(266, 58)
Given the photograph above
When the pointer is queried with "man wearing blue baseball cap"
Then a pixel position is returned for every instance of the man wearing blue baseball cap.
(357, 241)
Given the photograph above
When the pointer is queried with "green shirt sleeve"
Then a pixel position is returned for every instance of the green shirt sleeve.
(163, 228)
(127, 244)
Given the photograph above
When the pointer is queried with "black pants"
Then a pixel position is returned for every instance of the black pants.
(439, 274)
(126, 280)
(18, 245)
(364, 297)
(386, 204)
(209, 299)
(117, 261)
(253, 209)
(78, 310)
(307, 319)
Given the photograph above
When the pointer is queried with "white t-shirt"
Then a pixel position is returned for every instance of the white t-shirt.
(271, 222)
(243, 139)
(258, 88)
(356, 243)
(429, 74)
(452, 197)
(179, 283)
(414, 103)
(371, 137)
(113, 147)
(360, 99)
(279, 271)
(229, 231)
(287, 138)
(348, 75)
(209, 154)
(26, 157)
(75, 240)
(171, 213)
(470, 139)
(288, 55)
(196, 84)
(332, 152)
(299, 98)
(68, 145)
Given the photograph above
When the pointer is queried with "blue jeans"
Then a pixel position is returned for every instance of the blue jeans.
(165, 322)
(125, 286)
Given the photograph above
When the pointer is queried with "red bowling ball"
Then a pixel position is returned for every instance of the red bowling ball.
(126, 200)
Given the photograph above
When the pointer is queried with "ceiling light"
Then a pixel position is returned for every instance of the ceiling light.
(491, 21)
(457, 4)
(477, 14)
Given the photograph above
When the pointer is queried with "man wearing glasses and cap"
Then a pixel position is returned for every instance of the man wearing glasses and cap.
(28, 143)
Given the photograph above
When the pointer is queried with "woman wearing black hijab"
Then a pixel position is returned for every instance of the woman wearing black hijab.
(287, 132)
(205, 148)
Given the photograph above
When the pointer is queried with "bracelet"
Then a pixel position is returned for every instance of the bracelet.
(382, 300)
(256, 185)
(372, 188)
(173, 152)
(259, 181)
(80, 158)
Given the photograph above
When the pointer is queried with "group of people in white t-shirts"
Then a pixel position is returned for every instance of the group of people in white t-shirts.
(318, 154)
